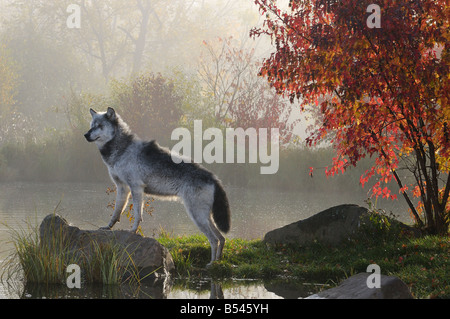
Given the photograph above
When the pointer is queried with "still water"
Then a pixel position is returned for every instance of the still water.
(254, 212)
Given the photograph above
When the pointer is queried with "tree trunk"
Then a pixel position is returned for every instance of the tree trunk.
(140, 41)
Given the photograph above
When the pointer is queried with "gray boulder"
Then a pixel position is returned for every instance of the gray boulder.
(150, 257)
(356, 287)
(330, 226)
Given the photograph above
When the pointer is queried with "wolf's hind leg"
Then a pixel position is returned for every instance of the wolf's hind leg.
(220, 237)
(202, 219)
(213, 241)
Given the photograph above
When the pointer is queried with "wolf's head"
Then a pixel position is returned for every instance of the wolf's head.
(103, 126)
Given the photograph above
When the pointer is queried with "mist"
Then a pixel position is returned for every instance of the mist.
(187, 74)
(161, 65)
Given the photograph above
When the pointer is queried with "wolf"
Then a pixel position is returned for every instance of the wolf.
(143, 167)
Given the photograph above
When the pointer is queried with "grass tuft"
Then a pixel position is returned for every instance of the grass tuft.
(46, 263)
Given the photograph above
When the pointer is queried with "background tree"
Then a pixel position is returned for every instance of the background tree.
(383, 92)
(122, 38)
(8, 91)
(238, 97)
(43, 69)
(149, 104)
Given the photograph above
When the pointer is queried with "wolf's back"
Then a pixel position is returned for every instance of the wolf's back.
(221, 208)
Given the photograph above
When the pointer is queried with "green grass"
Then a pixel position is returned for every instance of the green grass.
(423, 263)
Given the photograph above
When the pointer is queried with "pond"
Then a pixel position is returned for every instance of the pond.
(254, 212)
(170, 289)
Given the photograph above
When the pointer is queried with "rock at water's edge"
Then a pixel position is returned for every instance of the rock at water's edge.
(147, 253)
(330, 226)
(356, 287)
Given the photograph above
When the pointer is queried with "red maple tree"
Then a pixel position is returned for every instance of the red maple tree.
(382, 92)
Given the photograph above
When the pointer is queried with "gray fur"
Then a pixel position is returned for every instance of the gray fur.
(139, 167)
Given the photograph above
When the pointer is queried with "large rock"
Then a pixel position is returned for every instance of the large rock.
(356, 287)
(330, 226)
(150, 257)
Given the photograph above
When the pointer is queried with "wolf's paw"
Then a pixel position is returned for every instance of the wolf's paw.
(210, 264)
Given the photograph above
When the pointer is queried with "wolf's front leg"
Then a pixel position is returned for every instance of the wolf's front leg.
(121, 201)
(137, 194)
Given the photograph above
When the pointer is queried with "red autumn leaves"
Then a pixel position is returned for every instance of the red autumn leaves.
(382, 93)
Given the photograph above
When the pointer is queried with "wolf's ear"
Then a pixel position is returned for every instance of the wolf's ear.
(110, 113)
(92, 112)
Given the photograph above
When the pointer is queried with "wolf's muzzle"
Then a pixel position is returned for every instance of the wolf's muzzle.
(88, 136)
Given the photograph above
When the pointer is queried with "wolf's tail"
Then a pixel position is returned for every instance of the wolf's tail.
(221, 208)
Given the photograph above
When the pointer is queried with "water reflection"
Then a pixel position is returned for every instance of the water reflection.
(216, 291)
(178, 289)
(158, 290)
